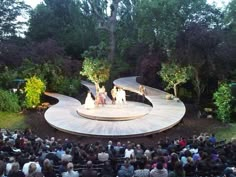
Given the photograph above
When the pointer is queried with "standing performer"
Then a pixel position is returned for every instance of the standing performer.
(89, 102)
(142, 91)
(114, 94)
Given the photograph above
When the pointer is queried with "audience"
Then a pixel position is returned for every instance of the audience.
(26, 155)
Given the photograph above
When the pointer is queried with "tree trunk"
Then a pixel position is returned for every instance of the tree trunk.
(175, 90)
(197, 86)
(112, 28)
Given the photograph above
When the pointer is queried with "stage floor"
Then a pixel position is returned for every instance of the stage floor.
(116, 112)
(163, 114)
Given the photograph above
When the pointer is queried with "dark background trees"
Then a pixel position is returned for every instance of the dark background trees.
(135, 36)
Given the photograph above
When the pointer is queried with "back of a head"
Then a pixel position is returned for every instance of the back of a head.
(70, 166)
(89, 164)
(32, 168)
(15, 167)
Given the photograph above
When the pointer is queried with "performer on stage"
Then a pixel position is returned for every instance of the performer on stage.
(114, 94)
(142, 91)
(102, 94)
(89, 102)
(121, 96)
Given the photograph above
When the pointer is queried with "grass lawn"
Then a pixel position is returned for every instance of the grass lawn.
(228, 133)
(12, 121)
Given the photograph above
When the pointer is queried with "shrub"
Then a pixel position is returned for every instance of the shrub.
(34, 88)
(9, 102)
(223, 100)
(66, 85)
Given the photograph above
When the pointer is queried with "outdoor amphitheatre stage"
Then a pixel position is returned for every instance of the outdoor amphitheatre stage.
(124, 120)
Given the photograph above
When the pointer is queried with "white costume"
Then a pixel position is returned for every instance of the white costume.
(89, 102)
(121, 96)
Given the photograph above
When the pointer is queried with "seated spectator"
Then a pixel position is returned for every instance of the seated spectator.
(138, 151)
(141, 171)
(48, 169)
(89, 172)
(32, 169)
(70, 171)
(189, 167)
(66, 157)
(27, 166)
(9, 164)
(129, 152)
(173, 160)
(159, 171)
(2, 168)
(178, 170)
(15, 171)
(182, 143)
(126, 170)
(107, 170)
(103, 155)
(60, 151)
(118, 150)
(230, 172)
(36, 174)
(212, 139)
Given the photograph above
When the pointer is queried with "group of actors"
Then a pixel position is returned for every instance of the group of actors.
(118, 97)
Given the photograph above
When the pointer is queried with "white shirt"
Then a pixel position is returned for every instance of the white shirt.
(70, 174)
(25, 168)
(128, 153)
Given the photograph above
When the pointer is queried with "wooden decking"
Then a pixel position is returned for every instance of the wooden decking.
(163, 115)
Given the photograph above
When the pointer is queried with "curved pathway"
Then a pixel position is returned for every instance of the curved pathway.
(164, 115)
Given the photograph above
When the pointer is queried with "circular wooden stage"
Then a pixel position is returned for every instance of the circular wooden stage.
(129, 120)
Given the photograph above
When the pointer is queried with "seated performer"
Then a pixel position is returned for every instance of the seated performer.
(89, 102)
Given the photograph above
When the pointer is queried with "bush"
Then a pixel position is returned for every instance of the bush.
(34, 88)
(9, 102)
(223, 100)
(66, 85)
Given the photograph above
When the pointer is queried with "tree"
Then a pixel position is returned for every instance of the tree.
(34, 88)
(9, 11)
(65, 21)
(107, 20)
(174, 75)
(96, 70)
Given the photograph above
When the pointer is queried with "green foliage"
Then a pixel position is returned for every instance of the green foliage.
(9, 101)
(10, 10)
(6, 77)
(174, 75)
(67, 21)
(67, 85)
(34, 88)
(228, 133)
(99, 51)
(96, 70)
(119, 67)
(223, 99)
(12, 121)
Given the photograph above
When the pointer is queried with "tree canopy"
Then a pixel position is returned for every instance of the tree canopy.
(10, 10)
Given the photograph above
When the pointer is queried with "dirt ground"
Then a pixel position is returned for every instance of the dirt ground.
(190, 125)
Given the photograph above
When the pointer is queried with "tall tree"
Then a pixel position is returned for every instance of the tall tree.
(66, 21)
(107, 20)
(10, 10)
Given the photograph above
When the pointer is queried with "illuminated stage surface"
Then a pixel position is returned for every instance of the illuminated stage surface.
(118, 112)
(133, 119)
